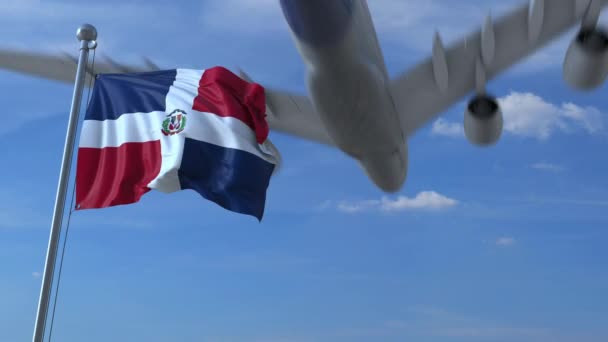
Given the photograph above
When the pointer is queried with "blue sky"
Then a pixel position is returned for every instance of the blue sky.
(514, 251)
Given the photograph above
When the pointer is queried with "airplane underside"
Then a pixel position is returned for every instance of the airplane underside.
(348, 85)
(350, 89)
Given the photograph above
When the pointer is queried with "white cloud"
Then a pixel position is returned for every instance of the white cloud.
(445, 128)
(543, 166)
(529, 115)
(425, 200)
(36, 275)
(505, 241)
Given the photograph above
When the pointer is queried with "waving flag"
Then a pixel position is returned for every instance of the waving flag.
(171, 130)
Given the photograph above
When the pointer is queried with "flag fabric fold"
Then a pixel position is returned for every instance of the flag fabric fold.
(171, 130)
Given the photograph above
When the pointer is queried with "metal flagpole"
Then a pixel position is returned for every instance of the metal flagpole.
(87, 35)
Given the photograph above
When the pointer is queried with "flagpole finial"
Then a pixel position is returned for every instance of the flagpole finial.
(86, 32)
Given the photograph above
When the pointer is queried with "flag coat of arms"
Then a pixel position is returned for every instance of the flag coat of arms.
(171, 130)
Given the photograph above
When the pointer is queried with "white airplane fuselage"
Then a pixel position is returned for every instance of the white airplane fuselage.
(348, 84)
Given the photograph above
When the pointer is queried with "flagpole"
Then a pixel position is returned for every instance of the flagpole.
(87, 35)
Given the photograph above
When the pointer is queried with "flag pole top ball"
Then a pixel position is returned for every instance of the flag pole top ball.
(86, 32)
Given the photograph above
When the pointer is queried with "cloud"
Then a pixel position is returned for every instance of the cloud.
(425, 200)
(529, 115)
(36, 275)
(543, 166)
(446, 128)
(505, 241)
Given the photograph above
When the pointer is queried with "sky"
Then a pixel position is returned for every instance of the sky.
(505, 243)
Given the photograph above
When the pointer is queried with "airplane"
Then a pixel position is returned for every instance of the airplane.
(355, 106)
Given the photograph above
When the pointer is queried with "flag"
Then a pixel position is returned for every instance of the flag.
(172, 130)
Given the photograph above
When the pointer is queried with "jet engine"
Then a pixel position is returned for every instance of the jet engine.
(483, 120)
(586, 61)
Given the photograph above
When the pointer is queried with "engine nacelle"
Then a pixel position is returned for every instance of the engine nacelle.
(483, 120)
(586, 61)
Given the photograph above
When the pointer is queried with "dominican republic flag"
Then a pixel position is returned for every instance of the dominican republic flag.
(171, 130)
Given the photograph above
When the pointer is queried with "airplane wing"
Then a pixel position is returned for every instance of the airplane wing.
(449, 74)
(287, 113)
(295, 115)
(61, 67)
